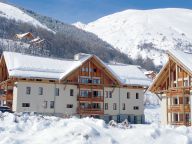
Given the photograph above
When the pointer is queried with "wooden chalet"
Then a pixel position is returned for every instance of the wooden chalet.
(173, 85)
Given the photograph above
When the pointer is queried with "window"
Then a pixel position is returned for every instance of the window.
(25, 104)
(45, 104)
(84, 80)
(56, 91)
(86, 69)
(84, 93)
(106, 106)
(96, 81)
(83, 69)
(175, 101)
(69, 106)
(71, 92)
(52, 104)
(137, 95)
(110, 94)
(128, 95)
(114, 106)
(136, 108)
(106, 94)
(40, 91)
(28, 90)
(123, 106)
(95, 70)
(175, 116)
(96, 93)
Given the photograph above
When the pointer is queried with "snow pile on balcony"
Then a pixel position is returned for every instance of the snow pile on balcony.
(43, 130)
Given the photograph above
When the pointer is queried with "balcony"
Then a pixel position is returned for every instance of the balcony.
(188, 123)
(179, 108)
(91, 98)
(182, 75)
(90, 111)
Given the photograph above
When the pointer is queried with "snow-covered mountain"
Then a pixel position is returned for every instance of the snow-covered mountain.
(145, 32)
(11, 12)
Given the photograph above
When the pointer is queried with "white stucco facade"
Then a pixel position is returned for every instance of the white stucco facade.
(34, 102)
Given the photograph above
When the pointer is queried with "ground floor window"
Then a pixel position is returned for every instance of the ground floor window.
(25, 104)
(69, 106)
(52, 104)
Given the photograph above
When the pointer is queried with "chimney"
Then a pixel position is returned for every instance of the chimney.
(80, 56)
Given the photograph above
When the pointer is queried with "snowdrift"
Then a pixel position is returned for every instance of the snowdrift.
(42, 130)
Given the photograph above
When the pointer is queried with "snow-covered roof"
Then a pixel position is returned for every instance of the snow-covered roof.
(21, 65)
(27, 66)
(148, 72)
(185, 58)
(130, 74)
(20, 36)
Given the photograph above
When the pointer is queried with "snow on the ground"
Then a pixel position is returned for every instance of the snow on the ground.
(11, 12)
(152, 114)
(43, 130)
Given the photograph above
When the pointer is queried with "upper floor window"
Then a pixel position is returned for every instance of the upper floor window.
(28, 90)
(114, 106)
(123, 106)
(96, 81)
(96, 93)
(56, 91)
(110, 94)
(137, 95)
(128, 95)
(40, 91)
(84, 93)
(106, 106)
(71, 92)
(94, 70)
(84, 80)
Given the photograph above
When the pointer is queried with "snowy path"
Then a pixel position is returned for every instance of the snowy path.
(52, 130)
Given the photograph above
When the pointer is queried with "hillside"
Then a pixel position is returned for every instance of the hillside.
(148, 33)
(61, 40)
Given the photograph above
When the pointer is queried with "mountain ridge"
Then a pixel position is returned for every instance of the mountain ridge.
(146, 33)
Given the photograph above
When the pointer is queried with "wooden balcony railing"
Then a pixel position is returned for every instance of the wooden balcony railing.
(90, 111)
(90, 98)
(182, 75)
(188, 123)
(179, 108)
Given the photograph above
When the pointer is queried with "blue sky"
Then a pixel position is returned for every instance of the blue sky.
(71, 11)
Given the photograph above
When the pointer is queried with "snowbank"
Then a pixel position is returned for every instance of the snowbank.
(42, 130)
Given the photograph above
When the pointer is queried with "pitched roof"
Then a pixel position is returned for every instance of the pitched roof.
(130, 74)
(185, 58)
(21, 65)
(27, 66)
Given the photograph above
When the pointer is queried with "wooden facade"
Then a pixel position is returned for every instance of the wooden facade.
(91, 78)
(173, 85)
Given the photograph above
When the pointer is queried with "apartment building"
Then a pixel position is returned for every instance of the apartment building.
(173, 86)
(83, 86)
